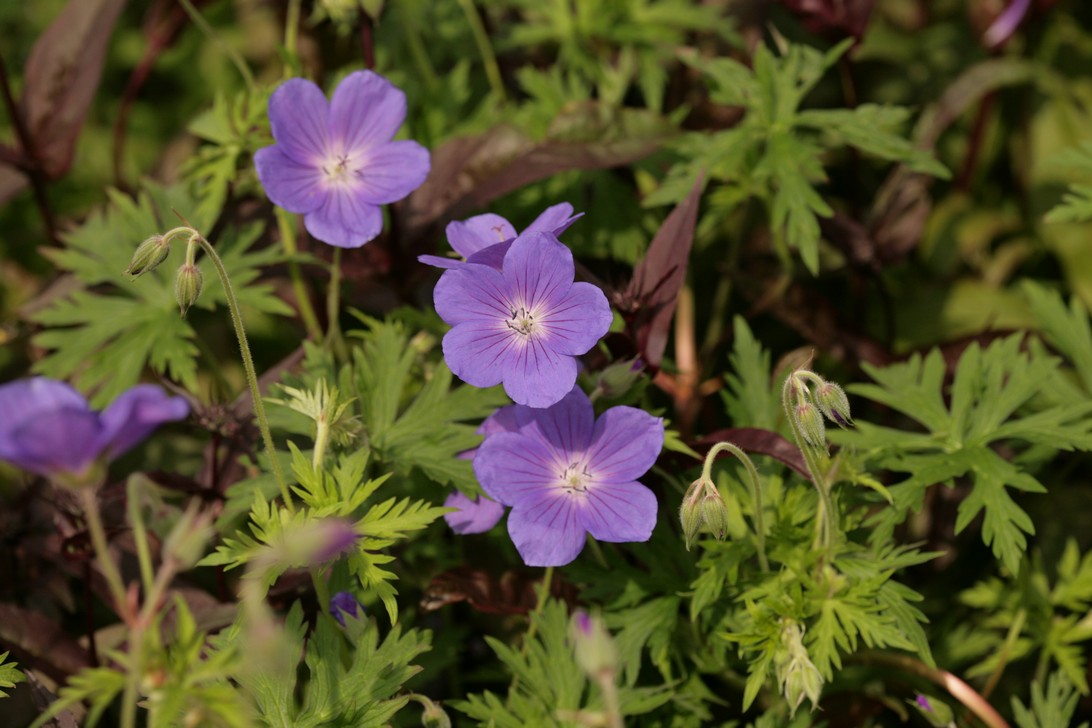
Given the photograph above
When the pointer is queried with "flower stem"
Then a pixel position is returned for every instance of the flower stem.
(543, 595)
(251, 374)
(232, 54)
(102, 549)
(826, 525)
(140, 535)
(481, 39)
(303, 300)
(334, 339)
(291, 28)
(756, 492)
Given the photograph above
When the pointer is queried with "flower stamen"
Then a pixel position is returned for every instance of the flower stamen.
(522, 321)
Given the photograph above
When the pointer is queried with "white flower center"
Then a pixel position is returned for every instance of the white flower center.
(522, 321)
(575, 478)
(340, 170)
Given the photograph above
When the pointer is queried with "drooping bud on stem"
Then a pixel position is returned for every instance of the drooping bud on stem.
(797, 675)
(187, 286)
(834, 404)
(149, 255)
(811, 424)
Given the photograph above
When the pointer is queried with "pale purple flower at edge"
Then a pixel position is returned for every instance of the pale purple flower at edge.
(566, 474)
(48, 428)
(1006, 23)
(334, 162)
(473, 516)
(486, 238)
(523, 325)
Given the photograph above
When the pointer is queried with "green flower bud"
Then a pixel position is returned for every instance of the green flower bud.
(187, 286)
(149, 255)
(834, 404)
(691, 513)
(187, 540)
(433, 716)
(618, 378)
(592, 644)
(714, 512)
(811, 424)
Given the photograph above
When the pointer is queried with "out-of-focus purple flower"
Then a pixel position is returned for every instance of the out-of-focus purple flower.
(334, 162)
(334, 537)
(566, 474)
(48, 428)
(474, 516)
(344, 603)
(486, 238)
(1006, 24)
(522, 325)
(924, 703)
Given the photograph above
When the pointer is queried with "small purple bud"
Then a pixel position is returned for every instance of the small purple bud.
(583, 622)
(338, 537)
(344, 603)
(924, 703)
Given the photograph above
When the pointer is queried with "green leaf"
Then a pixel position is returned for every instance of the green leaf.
(1076, 206)
(9, 674)
(751, 398)
(1052, 707)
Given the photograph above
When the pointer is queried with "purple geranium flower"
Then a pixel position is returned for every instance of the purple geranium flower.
(524, 324)
(565, 474)
(48, 428)
(473, 516)
(486, 238)
(335, 163)
(344, 603)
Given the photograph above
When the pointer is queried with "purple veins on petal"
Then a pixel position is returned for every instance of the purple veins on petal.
(522, 325)
(476, 515)
(566, 475)
(335, 162)
(478, 239)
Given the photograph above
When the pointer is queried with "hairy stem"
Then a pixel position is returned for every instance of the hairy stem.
(756, 491)
(140, 535)
(102, 549)
(334, 339)
(232, 54)
(251, 374)
(303, 299)
(826, 525)
(481, 39)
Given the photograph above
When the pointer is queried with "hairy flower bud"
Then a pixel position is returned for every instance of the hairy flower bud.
(433, 715)
(187, 286)
(592, 644)
(691, 513)
(834, 404)
(714, 513)
(810, 423)
(148, 255)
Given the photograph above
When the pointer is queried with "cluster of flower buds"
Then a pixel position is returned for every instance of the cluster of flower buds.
(807, 407)
(153, 251)
(797, 675)
(703, 507)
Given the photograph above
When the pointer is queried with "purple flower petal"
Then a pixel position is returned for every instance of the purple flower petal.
(625, 444)
(513, 468)
(565, 428)
(506, 419)
(547, 532)
(467, 237)
(344, 220)
(541, 269)
(538, 376)
(60, 441)
(135, 414)
(579, 320)
(619, 512)
(297, 117)
(392, 171)
(438, 262)
(472, 293)
(478, 352)
(365, 111)
(493, 256)
(23, 400)
(555, 220)
(1007, 23)
(296, 187)
(344, 603)
(474, 516)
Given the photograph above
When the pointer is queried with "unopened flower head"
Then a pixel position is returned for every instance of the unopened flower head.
(592, 645)
(149, 254)
(797, 675)
(524, 324)
(486, 238)
(810, 422)
(832, 401)
(344, 603)
(334, 162)
(187, 286)
(703, 507)
(49, 429)
(566, 474)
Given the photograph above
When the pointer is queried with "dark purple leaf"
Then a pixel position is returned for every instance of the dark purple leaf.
(649, 301)
(62, 75)
(512, 592)
(757, 440)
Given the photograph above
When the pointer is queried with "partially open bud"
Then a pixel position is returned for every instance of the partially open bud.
(344, 603)
(593, 646)
(834, 404)
(148, 255)
(810, 423)
(797, 675)
(187, 286)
